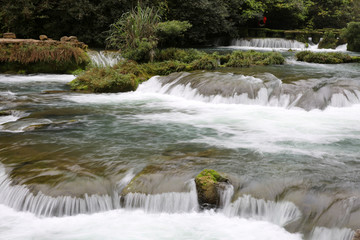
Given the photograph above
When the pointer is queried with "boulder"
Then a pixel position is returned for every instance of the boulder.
(9, 35)
(357, 235)
(208, 185)
(64, 39)
(72, 39)
(43, 37)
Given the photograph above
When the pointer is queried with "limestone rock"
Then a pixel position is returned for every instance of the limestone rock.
(9, 35)
(357, 235)
(64, 39)
(43, 37)
(72, 39)
(208, 183)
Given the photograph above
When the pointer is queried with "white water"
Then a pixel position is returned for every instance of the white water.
(321, 233)
(243, 126)
(279, 44)
(15, 79)
(104, 58)
(137, 225)
(280, 214)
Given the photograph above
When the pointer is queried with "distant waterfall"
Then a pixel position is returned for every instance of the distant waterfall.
(268, 43)
(104, 58)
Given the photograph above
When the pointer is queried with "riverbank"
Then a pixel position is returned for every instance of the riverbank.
(27, 56)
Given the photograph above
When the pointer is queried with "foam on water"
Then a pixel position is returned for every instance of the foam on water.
(36, 78)
(244, 126)
(280, 213)
(131, 225)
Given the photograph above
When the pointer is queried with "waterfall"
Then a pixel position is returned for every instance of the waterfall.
(104, 58)
(172, 202)
(20, 198)
(265, 90)
(280, 213)
(321, 233)
(277, 43)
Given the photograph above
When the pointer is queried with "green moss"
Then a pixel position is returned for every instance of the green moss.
(211, 175)
(246, 59)
(329, 40)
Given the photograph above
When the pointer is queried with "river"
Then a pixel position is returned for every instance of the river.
(287, 137)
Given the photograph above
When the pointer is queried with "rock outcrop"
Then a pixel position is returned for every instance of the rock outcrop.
(43, 37)
(208, 185)
(9, 35)
(357, 235)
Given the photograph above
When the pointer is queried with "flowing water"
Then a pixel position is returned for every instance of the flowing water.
(287, 137)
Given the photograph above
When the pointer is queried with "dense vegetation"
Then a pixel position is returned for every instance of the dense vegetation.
(326, 58)
(90, 20)
(126, 75)
(44, 58)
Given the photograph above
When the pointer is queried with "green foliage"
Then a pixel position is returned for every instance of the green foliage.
(327, 58)
(169, 32)
(206, 62)
(329, 40)
(182, 55)
(104, 80)
(134, 33)
(246, 59)
(352, 35)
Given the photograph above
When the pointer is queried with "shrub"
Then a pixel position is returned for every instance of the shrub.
(245, 59)
(352, 35)
(170, 31)
(327, 58)
(329, 40)
(33, 58)
(104, 80)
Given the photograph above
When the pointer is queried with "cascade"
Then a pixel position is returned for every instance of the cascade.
(322, 233)
(265, 90)
(280, 213)
(268, 43)
(104, 58)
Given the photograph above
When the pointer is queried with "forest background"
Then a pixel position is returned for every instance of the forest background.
(89, 20)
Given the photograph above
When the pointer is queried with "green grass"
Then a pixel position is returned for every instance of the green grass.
(325, 58)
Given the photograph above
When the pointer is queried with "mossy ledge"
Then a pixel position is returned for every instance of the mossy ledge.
(126, 75)
(33, 56)
(208, 183)
(325, 58)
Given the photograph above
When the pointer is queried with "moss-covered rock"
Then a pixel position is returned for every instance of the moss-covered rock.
(207, 186)
(325, 58)
(329, 40)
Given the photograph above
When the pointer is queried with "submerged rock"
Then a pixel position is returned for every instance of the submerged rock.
(357, 235)
(5, 113)
(208, 183)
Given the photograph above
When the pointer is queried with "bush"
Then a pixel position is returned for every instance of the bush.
(182, 55)
(352, 35)
(326, 58)
(34, 58)
(206, 62)
(329, 40)
(169, 32)
(246, 59)
(104, 80)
